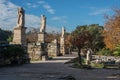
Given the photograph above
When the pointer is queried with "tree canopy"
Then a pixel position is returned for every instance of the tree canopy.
(112, 30)
(4, 34)
(89, 36)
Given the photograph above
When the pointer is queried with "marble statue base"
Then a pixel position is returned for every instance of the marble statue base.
(19, 36)
(41, 37)
(62, 46)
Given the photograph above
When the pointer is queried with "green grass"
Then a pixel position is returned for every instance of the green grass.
(83, 66)
(75, 64)
(96, 65)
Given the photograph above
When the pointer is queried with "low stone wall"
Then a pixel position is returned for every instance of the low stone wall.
(100, 59)
(53, 49)
(36, 51)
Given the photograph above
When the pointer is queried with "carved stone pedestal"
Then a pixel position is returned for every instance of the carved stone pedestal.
(41, 37)
(62, 46)
(53, 49)
(19, 36)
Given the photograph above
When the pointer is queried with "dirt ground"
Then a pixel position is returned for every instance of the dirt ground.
(55, 70)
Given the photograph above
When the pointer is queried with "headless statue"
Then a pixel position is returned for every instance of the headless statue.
(88, 56)
(63, 32)
(21, 18)
(43, 23)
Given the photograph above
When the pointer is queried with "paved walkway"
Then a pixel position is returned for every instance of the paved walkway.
(54, 70)
(60, 59)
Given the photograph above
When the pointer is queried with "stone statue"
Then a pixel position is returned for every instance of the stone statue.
(88, 56)
(63, 32)
(43, 23)
(21, 18)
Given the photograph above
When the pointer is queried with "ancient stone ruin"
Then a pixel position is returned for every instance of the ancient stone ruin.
(53, 48)
(19, 36)
(39, 50)
(62, 42)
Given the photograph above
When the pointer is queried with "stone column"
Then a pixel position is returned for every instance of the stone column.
(62, 42)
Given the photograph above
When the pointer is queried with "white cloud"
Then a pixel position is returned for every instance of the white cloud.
(8, 17)
(8, 14)
(44, 4)
(49, 8)
(41, 2)
(30, 5)
(60, 18)
(56, 18)
(32, 21)
(100, 11)
(52, 28)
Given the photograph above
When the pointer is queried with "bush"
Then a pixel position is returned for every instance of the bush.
(15, 54)
(116, 52)
(105, 52)
(13, 51)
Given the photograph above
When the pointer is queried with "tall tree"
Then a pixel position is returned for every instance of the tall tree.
(96, 41)
(112, 30)
(32, 35)
(79, 38)
(51, 36)
(4, 34)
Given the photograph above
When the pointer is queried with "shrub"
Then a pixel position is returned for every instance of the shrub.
(116, 52)
(105, 52)
(14, 53)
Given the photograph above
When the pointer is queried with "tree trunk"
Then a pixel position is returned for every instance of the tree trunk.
(79, 57)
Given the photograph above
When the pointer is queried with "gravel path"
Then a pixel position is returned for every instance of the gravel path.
(55, 70)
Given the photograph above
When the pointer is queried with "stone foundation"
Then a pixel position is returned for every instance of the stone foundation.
(53, 49)
(41, 37)
(37, 51)
(19, 36)
(62, 46)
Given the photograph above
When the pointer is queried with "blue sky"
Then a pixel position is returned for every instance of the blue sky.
(68, 13)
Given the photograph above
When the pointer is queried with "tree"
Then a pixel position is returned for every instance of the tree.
(117, 51)
(112, 30)
(87, 36)
(32, 35)
(13, 53)
(68, 44)
(10, 38)
(4, 34)
(51, 36)
(96, 41)
(79, 38)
